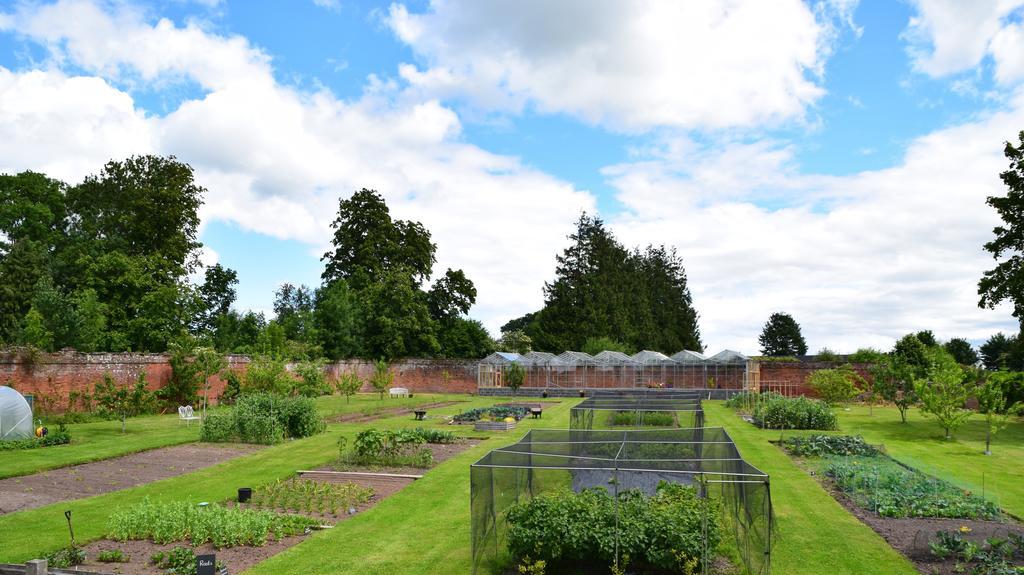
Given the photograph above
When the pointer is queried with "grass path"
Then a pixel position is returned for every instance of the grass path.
(814, 534)
(103, 439)
(962, 461)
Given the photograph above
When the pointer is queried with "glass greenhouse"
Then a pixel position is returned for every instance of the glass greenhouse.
(575, 370)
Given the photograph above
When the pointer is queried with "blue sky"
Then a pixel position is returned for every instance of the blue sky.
(829, 159)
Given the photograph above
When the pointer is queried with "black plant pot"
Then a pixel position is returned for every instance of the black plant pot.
(244, 494)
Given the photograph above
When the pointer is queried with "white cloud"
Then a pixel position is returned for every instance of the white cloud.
(858, 260)
(276, 159)
(950, 36)
(332, 5)
(627, 65)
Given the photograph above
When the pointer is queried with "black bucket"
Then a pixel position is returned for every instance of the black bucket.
(244, 494)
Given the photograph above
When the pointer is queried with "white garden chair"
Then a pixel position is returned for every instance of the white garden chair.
(185, 414)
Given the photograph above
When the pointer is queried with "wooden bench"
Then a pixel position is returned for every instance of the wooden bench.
(536, 412)
(186, 414)
(420, 414)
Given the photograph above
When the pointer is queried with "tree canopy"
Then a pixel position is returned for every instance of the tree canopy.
(601, 289)
(781, 337)
(1005, 282)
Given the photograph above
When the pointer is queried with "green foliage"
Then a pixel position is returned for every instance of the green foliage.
(463, 338)
(663, 533)
(778, 412)
(348, 384)
(826, 354)
(268, 375)
(882, 485)
(643, 418)
(927, 338)
(217, 293)
(434, 435)
(122, 402)
(595, 345)
(943, 391)
(837, 385)
(176, 561)
(59, 437)
(514, 377)
(1002, 352)
(112, 556)
(515, 341)
(65, 558)
(395, 318)
(221, 526)
(962, 351)
(336, 318)
(313, 381)
(893, 379)
(993, 404)
(303, 495)
(387, 448)
(34, 332)
(1012, 383)
(1005, 282)
(866, 355)
(382, 377)
(218, 428)
(451, 295)
(264, 418)
(232, 387)
(821, 445)
(186, 379)
(478, 413)
(602, 288)
(781, 336)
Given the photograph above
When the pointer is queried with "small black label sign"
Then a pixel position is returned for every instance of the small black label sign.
(206, 564)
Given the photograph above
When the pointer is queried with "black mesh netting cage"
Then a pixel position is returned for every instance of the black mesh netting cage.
(545, 461)
(631, 411)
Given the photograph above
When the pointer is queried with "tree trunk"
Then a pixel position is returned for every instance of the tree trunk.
(988, 440)
(947, 434)
(124, 419)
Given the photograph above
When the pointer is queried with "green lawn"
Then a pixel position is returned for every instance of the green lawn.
(32, 533)
(425, 528)
(962, 461)
(103, 439)
(814, 534)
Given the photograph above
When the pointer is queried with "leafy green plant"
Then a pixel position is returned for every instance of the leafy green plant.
(514, 377)
(184, 521)
(178, 561)
(943, 391)
(388, 448)
(665, 531)
(820, 445)
(778, 412)
(643, 418)
(310, 495)
(837, 385)
(112, 556)
(122, 402)
(826, 354)
(478, 413)
(435, 435)
(267, 374)
(348, 384)
(264, 418)
(312, 381)
(882, 485)
(66, 557)
(59, 437)
(232, 387)
(993, 404)
(382, 377)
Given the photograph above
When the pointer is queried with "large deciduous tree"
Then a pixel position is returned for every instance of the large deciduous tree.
(962, 351)
(217, 294)
(942, 390)
(781, 337)
(1005, 282)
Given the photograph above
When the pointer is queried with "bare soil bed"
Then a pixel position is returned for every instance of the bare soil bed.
(363, 418)
(236, 559)
(911, 535)
(88, 479)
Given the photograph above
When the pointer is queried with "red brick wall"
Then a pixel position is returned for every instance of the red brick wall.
(422, 375)
(790, 377)
(52, 377)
